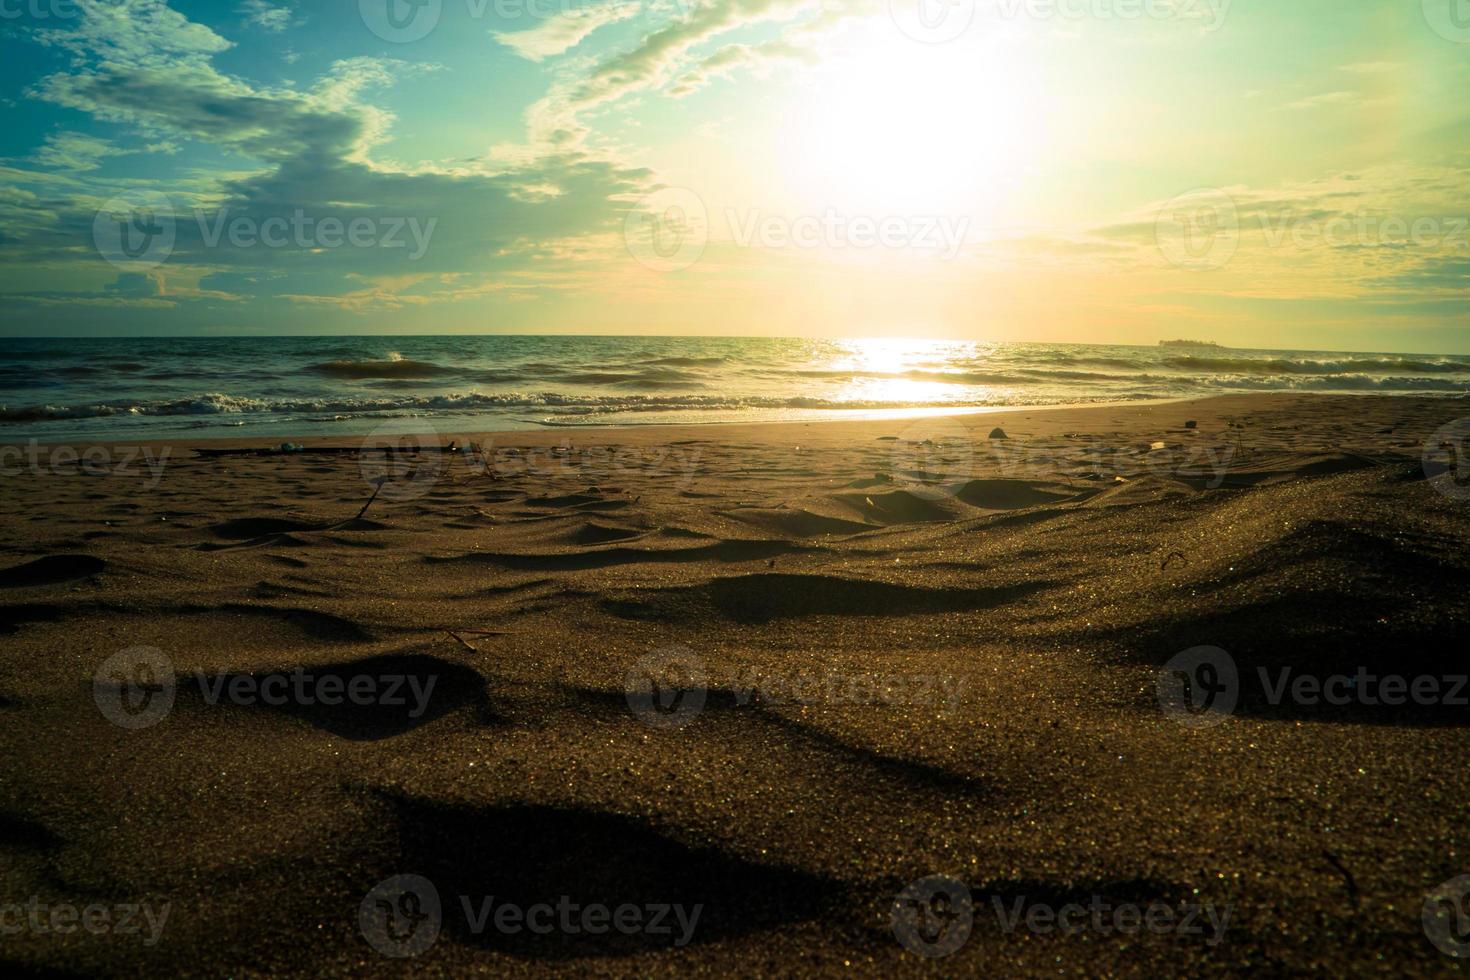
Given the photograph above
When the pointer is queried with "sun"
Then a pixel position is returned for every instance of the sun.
(895, 127)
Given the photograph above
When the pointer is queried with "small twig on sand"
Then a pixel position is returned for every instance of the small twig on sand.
(1352, 884)
(370, 501)
(490, 632)
(461, 641)
(1170, 558)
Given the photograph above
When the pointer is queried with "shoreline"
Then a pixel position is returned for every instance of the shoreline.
(601, 434)
(867, 416)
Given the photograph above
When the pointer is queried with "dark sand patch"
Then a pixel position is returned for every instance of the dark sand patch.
(530, 854)
(406, 693)
(762, 597)
(50, 570)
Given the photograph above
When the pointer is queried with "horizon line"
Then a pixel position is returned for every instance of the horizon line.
(674, 336)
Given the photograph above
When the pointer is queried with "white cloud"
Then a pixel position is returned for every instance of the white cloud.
(1324, 99)
(563, 31)
(75, 152)
(265, 15)
(675, 47)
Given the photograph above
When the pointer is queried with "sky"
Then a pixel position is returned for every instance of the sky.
(1251, 172)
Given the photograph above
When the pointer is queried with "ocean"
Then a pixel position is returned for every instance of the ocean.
(272, 387)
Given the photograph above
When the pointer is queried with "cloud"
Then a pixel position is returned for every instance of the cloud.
(659, 57)
(135, 33)
(1442, 276)
(1341, 98)
(265, 15)
(1361, 234)
(563, 31)
(138, 64)
(75, 152)
(138, 284)
(653, 60)
(735, 57)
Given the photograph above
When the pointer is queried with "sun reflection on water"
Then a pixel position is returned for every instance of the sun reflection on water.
(902, 370)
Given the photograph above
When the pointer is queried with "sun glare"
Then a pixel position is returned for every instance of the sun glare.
(894, 127)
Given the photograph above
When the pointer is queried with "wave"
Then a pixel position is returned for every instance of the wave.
(293, 384)
(1341, 366)
(1207, 364)
(395, 368)
(573, 403)
(1340, 382)
(650, 380)
(569, 403)
(685, 361)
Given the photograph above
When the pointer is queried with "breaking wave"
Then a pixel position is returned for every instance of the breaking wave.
(567, 404)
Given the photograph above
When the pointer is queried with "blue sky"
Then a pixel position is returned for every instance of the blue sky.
(1263, 174)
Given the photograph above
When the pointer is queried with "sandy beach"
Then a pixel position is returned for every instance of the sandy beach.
(723, 699)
